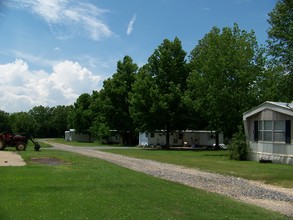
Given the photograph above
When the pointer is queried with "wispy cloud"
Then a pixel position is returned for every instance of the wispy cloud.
(130, 25)
(33, 58)
(67, 18)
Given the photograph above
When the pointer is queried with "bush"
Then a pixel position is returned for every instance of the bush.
(239, 148)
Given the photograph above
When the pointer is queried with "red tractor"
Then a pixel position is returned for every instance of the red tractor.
(18, 141)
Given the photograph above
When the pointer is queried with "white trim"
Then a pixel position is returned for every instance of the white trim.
(274, 154)
(274, 106)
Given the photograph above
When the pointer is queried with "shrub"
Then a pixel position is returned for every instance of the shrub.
(239, 148)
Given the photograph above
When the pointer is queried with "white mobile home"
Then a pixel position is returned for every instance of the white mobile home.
(180, 138)
(269, 132)
(71, 135)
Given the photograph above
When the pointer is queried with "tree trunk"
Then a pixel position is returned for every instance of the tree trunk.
(217, 147)
(167, 140)
(90, 137)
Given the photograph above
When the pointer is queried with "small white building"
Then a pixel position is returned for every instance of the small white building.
(71, 135)
(269, 132)
(180, 138)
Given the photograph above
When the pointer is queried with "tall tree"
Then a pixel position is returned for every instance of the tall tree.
(42, 116)
(225, 65)
(280, 43)
(99, 126)
(141, 101)
(156, 102)
(281, 33)
(59, 120)
(272, 85)
(114, 99)
(80, 116)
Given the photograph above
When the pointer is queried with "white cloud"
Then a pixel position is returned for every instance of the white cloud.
(67, 18)
(130, 25)
(23, 89)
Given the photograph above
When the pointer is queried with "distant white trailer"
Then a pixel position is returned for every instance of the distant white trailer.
(71, 135)
(180, 138)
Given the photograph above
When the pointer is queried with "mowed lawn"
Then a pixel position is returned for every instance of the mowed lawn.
(89, 188)
(218, 162)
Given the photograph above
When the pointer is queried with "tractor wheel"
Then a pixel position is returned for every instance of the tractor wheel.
(2, 144)
(20, 146)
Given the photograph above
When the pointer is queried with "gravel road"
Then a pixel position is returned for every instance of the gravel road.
(263, 195)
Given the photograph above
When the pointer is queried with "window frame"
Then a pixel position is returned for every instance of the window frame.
(266, 131)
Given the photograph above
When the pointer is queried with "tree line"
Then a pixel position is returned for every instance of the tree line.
(226, 74)
(40, 121)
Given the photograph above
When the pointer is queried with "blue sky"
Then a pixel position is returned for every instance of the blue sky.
(51, 51)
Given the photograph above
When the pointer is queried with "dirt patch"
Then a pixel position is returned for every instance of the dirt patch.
(48, 161)
(8, 158)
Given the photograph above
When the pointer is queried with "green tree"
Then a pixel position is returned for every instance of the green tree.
(114, 102)
(280, 42)
(156, 102)
(98, 127)
(272, 85)
(42, 116)
(281, 33)
(222, 85)
(141, 101)
(59, 120)
(4, 121)
(23, 122)
(80, 116)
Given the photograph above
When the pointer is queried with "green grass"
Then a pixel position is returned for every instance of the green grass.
(218, 162)
(88, 188)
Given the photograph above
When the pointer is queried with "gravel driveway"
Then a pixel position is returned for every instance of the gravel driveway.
(266, 196)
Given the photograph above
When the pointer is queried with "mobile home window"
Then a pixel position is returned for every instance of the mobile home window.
(272, 130)
(279, 131)
(267, 130)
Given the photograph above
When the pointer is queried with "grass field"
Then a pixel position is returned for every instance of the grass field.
(88, 188)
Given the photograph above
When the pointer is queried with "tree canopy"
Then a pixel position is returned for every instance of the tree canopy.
(224, 68)
(280, 43)
(158, 90)
(23, 122)
(80, 116)
(114, 101)
(281, 33)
